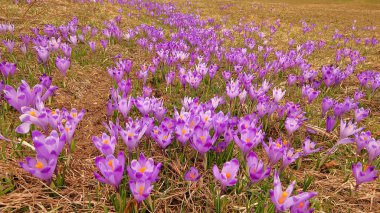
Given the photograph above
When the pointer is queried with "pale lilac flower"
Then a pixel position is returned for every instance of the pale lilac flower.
(227, 177)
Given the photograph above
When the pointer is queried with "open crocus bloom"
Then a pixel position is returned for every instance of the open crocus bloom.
(40, 167)
(308, 147)
(275, 150)
(363, 175)
(134, 130)
(202, 141)
(31, 116)
(50, 146)
(111, 168)
(227, 177)
(140, 189)
(257, 171)
(105, 143)
(183, 132)
(144, 169)
(192, 174)
(249, 138)
(283, 199)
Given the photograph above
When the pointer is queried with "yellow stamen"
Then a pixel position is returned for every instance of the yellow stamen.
(192, 175)
(39, 165)
(74, 115)
(105, 141)
(247, 140)
(67, 129)
(183, 131)
(228, 175)
(141, 189)
(202, 138)
(365, 167)
(206, 118)
(155, 132)
(32, 113)
(192, 124)
(130, 134)
(110, 164)
(285, 142)
(301, 205)
(53, 112)
(278, 145)
(142, 169)
(165, 137)
(283, 197)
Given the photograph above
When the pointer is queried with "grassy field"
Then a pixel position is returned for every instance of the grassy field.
(87, 86)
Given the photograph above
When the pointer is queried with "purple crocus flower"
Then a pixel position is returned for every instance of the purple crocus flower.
(74, 116)
(330, 123)
(192, 174)
(227, 177)
(275, 150)
(302, 207)
(143, 105)
(31, 116)
(358, 95)
(134, 130)
(183, 132)
(66, 49)
(361, 175)
(111, 169)
(327, 103)
(68, 129)
(124, 105)
(278, 94)
(105, 144)
(373, 149)
(45, 81)
(292, 124)
(202, 141)
(92, 45)
(233, 89)
(346, 130)
(206, 118)
(289, 157)
(9, 44)
(249, 138)
(50, 146)
(25, 96)
(42, 54)
(169, 78)
(62, 64)
(310, 93)
(104, 43)
(40, 167)
(220, 122)
(144, 169)
(163, 136)
(140, 189)
(257, 171)
(362, 140)
(308, 147)
(282, 199)
(54, 117)
(7, 69)
(360, 114)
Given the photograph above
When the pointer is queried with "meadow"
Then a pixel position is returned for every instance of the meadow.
(189, 106)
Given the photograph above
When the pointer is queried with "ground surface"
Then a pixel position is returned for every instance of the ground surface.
(88, 87)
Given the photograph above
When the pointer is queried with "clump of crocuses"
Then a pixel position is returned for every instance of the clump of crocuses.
(142, 174)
